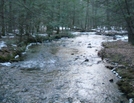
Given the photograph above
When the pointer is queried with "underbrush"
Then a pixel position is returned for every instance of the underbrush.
(7, 54)
(121, 53)
(60, 35)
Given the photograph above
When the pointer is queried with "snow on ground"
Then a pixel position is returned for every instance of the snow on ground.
(27, 48)
(2, 44)
(42, 34)
(6, 64)
(76, 33)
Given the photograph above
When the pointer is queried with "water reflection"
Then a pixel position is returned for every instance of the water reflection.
(67, 71)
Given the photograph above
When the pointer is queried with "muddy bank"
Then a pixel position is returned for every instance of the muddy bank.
(121, 57)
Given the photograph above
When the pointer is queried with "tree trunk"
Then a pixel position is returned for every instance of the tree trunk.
(108, 15)
(128, 18)
(10, 18)
(130, 24)
(58, 30)
(3, 18)
(131, 35)
(49, 30)
(87, 16)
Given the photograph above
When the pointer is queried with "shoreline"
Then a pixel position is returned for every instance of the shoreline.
(120, 58)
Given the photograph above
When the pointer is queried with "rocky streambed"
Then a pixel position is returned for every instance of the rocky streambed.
(62, 71)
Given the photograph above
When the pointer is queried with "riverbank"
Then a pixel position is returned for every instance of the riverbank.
(12, 46)
(120, 56)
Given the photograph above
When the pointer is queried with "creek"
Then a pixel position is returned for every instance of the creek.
(61, 71)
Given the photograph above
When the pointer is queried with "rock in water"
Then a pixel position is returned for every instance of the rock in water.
(86, 60)
(89, 46)
(111, 80)
(70, 100)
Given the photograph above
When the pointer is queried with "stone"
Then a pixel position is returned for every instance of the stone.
(89, 46)
(72, 53)
(98, 62)
(70, 100)
(86, 60)
(25, 90)
(76, 58)
(30, 68)
(109, 66)
(111, 80)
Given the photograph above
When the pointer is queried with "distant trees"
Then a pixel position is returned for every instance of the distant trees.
(2, 17)
(126, 8)
(31, 16)
(122, 14)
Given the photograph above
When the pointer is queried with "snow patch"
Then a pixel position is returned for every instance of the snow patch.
(14, 45)
(17, 56)
(2, 44)
(7, 37)
(130, 100)
(27, 47)
(6, 64)
(75, 33)
(42, 34)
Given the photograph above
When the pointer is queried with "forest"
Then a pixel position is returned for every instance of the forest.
(33, 16)
(66, 51)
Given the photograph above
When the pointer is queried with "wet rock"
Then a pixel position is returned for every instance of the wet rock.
(109, 66)
(121, 102)
(70, 100)
(96, 50)
(111, 80)
(43, 98)
(30, 69)
(59, 87)
(89, 46)
(72, 53)
(98, 62)
(86, 60)
(75, 59)
(25, 90)
(56, 97)
(79, 42)
(113, 69)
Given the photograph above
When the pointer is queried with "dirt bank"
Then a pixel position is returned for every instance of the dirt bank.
(121, 55)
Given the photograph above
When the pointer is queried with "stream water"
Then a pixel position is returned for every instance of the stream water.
(62, 71)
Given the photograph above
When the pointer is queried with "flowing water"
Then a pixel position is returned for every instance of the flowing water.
(62, 71)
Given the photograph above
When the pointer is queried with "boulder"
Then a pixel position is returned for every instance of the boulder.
(111, 80)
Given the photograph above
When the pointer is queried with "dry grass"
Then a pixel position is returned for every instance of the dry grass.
(122, 53)
(119, 51)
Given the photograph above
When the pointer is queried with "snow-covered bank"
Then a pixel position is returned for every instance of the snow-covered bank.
(2, 44)
(6, 64)
(83, 33)
(31, 44)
